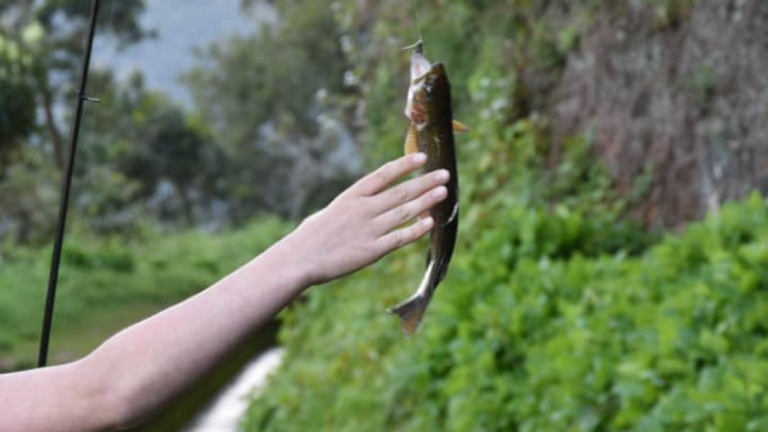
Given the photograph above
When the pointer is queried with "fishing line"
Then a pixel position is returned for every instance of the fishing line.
(418, 19)
(61, 221)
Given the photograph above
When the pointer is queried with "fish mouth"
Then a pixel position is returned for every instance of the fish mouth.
(420, 66)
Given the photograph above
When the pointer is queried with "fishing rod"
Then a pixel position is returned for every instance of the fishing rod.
(61, 222)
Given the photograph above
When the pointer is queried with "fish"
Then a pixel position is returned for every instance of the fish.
(431, 131)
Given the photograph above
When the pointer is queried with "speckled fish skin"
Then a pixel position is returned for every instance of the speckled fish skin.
(430, 112)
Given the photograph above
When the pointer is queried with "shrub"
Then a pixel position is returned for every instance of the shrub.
(521, 337)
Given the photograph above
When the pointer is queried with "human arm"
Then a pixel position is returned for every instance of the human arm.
(142, 368)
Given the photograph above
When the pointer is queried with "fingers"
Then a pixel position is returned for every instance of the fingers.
(399, 238)
(402, 214)
(381, 178)
(409, 190)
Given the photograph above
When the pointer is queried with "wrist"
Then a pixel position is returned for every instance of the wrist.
(290, 257)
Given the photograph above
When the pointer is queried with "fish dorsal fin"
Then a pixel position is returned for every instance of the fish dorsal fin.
(459, 127)
(411, 141)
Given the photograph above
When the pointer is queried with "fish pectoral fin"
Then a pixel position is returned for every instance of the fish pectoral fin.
(411, 141)
(459, 127)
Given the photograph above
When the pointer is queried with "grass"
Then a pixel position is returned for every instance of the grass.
(107, 284)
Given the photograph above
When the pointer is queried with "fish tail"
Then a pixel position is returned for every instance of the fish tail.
(411, 311)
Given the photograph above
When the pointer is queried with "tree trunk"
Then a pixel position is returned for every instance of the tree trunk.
(26, 12)
(186, 204)
(53, 130)
(25, 227)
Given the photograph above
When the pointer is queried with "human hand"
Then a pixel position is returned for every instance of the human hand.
(363, 223)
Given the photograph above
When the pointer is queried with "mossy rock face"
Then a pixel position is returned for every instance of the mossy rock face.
(663, 91)
(669, 92)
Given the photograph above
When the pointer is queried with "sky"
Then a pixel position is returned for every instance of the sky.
(181, 25)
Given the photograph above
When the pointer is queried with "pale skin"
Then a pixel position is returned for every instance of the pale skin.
(139, 370)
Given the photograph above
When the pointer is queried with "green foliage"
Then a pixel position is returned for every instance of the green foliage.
(66, 22)
(267, 97)
(17, 105)
(115, 274)
(161, 143)
(28, 198)
(41, 44)
(557, 314)
(531, 231)
(523, 337)
(273, 75)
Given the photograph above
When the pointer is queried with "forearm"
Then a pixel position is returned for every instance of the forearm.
(183, 342)
(153, 361)
(54, 399)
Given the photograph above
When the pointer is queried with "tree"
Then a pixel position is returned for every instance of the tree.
(64, 24)
(17, 93)
(274, 98)
(149, 141)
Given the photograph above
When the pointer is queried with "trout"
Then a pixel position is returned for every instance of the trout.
(431, 131)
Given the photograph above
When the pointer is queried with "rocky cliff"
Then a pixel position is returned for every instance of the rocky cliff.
(682, 100)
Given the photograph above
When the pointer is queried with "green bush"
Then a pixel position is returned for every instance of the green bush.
(521, 337)
(558, 313)
(527, 332)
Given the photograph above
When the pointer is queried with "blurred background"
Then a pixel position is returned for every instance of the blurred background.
(612, 266)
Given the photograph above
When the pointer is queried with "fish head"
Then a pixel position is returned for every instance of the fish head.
(429, 90)
(436, 87)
